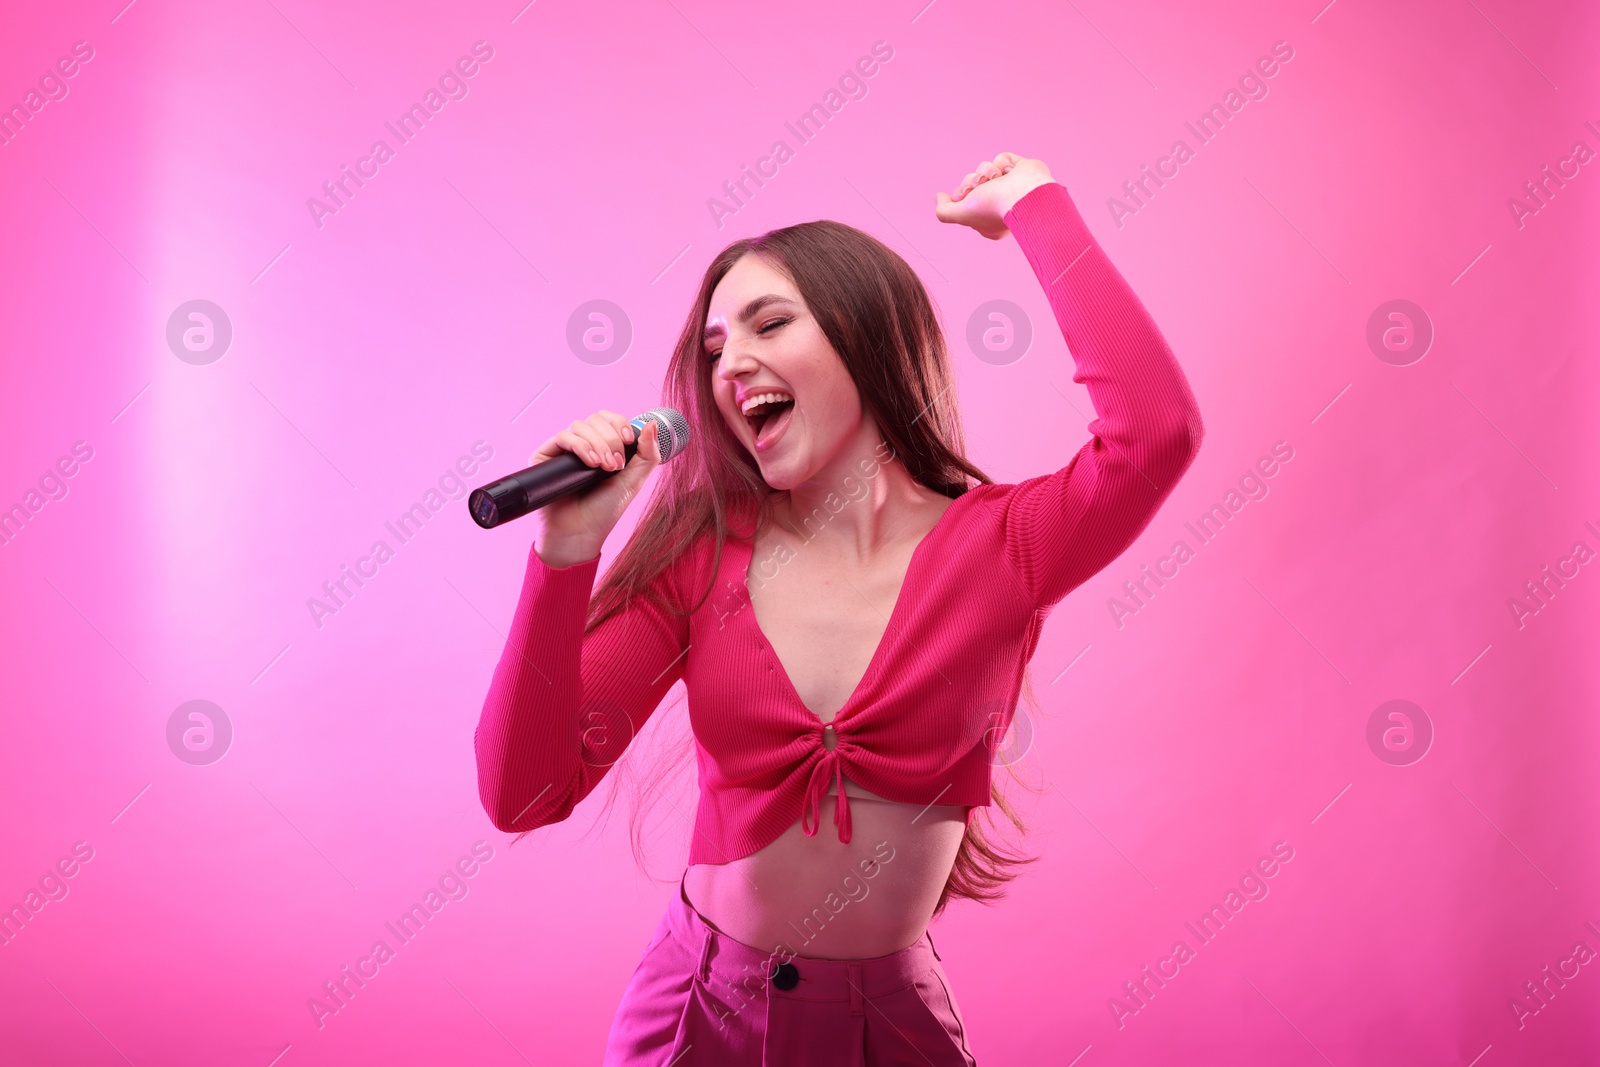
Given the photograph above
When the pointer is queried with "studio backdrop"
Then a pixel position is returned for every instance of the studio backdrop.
(1312, 778)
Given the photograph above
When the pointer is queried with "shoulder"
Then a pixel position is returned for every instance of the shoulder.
(984, 496)
(972, 545)
(968, 512)
(976, 521)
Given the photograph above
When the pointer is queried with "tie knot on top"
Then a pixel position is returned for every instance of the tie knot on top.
(829, 766)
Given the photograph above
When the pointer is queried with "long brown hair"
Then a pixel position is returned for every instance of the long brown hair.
(873, 309)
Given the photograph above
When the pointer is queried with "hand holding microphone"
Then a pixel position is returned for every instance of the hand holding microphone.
(582, 480)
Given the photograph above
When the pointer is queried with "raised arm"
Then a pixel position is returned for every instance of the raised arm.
(1062, 528)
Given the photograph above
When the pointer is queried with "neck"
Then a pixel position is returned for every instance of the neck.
(861, 501)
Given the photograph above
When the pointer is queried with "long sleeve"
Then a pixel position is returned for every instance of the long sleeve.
(563, 705)
(1062, 528)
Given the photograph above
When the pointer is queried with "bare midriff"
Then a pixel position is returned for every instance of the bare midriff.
(819, 897)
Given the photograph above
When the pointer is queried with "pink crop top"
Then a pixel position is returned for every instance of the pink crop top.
(940, 690)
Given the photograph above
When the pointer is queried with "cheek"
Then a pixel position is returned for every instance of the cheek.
(730, 414)
(817, 373)
(839, 407)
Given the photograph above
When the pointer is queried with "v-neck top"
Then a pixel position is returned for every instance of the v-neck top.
(922, 725)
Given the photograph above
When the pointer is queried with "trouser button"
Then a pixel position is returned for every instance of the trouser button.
(785, 976)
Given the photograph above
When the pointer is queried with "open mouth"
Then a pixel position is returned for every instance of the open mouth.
(768, 415)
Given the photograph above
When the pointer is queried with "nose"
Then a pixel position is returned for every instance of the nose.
(734, 362)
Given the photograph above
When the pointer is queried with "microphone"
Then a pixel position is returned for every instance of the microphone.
(532, 488)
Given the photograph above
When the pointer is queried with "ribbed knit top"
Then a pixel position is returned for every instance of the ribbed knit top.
(922, 725)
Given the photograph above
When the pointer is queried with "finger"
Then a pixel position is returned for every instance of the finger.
(643, 461)
(594, 445)
(609, 441)
(648, 453)
(650, 443)
(945, 210)
(574, 440)
(624, 429)
(618, 424)
(1007, 160)
(594, 438)
(546, 450)
(987, 171)
(623, 426)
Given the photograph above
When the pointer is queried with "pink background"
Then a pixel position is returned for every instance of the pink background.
(370, 353)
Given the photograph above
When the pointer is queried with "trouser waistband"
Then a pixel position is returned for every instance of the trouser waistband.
(726, 960)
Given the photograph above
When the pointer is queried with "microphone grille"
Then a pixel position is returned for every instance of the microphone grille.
(672, 430)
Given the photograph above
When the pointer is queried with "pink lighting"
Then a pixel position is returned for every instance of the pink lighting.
(1314, 779)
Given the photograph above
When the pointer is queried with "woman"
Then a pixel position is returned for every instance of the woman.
(852, 618)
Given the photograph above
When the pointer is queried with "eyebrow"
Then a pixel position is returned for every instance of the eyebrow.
(751, 310)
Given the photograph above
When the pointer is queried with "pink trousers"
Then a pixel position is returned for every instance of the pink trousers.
(701, 999)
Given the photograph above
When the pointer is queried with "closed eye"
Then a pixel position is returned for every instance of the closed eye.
(774, 324)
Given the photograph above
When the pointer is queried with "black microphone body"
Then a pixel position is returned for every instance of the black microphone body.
(532, 488)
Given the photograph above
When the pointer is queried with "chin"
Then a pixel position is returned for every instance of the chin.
(786, 472)
(777, 476)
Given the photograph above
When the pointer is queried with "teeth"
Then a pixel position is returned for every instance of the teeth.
(762, 398)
